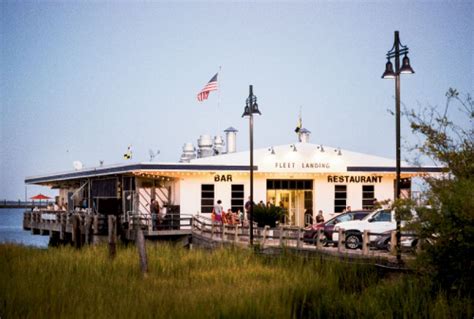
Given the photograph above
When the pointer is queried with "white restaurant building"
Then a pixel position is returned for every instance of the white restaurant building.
(301, 177)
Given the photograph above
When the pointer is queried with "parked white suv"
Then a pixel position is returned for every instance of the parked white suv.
(377, 222)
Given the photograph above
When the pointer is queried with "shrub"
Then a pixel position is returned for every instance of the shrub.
(268, 216)
(446, 224)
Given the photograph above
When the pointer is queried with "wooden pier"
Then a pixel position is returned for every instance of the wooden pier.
(22, 204)
(79, 228)
(82, 228)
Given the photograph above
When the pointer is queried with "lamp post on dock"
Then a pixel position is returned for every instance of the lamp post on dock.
(251, 107)
(395, 52)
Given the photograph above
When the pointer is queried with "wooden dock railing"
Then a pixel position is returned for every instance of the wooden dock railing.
(285, 236)
(85, 228)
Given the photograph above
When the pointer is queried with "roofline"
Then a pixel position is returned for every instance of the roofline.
(421, 169)
(129, 168)
(98, 171)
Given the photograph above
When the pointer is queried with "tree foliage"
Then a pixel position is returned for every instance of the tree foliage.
(446, 222)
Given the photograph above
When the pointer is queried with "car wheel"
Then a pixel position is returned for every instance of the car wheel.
(353, 241)
(323, 239)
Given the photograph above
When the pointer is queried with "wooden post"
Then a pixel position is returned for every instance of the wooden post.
(340, 241)
(95, 224)
(87, 229)
(281, 236)
(319, 244)
(62, 225)
(223, 231)
(365, 243)
(140, 241)
(76, 231)
(212, 230)
(236, 234)
(393, 242)
(112, 223)
(298, 236)
(265, 231)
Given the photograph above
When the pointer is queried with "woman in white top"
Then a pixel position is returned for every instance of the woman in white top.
(218, 210)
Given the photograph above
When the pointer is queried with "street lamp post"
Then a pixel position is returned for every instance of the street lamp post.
(251, 107)
(395, 52)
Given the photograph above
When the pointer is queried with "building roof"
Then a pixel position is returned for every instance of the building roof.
(311, 158)
(288, 158)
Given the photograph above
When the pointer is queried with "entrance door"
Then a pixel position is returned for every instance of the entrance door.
(283, 200)
(292, 201)
(290, 195)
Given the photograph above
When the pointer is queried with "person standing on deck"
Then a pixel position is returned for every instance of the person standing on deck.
(218, 210)
(155, 210)
(320, 217)
(247, 208)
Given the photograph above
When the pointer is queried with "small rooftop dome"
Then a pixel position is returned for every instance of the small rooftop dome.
(230, 129)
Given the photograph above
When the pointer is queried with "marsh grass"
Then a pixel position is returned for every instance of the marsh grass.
(228, 283)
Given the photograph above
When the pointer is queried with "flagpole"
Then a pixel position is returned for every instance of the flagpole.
(300, 124)
(218, 98)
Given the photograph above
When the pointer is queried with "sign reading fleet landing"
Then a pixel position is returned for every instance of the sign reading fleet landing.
(302, 166)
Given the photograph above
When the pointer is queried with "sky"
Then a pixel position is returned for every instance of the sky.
(83, 80)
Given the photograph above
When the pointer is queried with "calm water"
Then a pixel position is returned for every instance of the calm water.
(11, 229)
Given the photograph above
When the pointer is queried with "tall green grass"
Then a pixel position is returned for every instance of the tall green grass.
(228, 283)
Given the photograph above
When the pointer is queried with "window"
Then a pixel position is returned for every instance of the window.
(382, 216)
(308, 200)
(289, 184)
(344, 218)
(237, 201)
(368, 196)
(106, 188)
(340, 198)
(207, 198)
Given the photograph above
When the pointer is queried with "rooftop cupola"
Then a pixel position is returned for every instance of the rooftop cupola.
(304, 135)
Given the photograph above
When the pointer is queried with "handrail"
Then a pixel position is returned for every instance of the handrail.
(283, 235)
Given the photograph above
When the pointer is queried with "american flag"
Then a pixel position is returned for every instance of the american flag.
(210, 86)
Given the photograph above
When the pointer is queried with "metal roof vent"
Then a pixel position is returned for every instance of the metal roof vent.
(218, 145)
(189, 153)
(231, 139)
(205, 146)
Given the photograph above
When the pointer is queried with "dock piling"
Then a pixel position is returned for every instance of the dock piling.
(112, 229)
(140, 240)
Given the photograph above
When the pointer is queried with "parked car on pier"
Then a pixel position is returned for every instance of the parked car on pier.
(380, 221)
(310, 232)
(384, 241)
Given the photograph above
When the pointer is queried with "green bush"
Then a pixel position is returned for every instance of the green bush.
(268, 216)
(446, 224)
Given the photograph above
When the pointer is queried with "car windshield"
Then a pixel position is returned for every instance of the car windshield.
(341, 218)
(370, 215)
(382, 216)
(344, 218)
